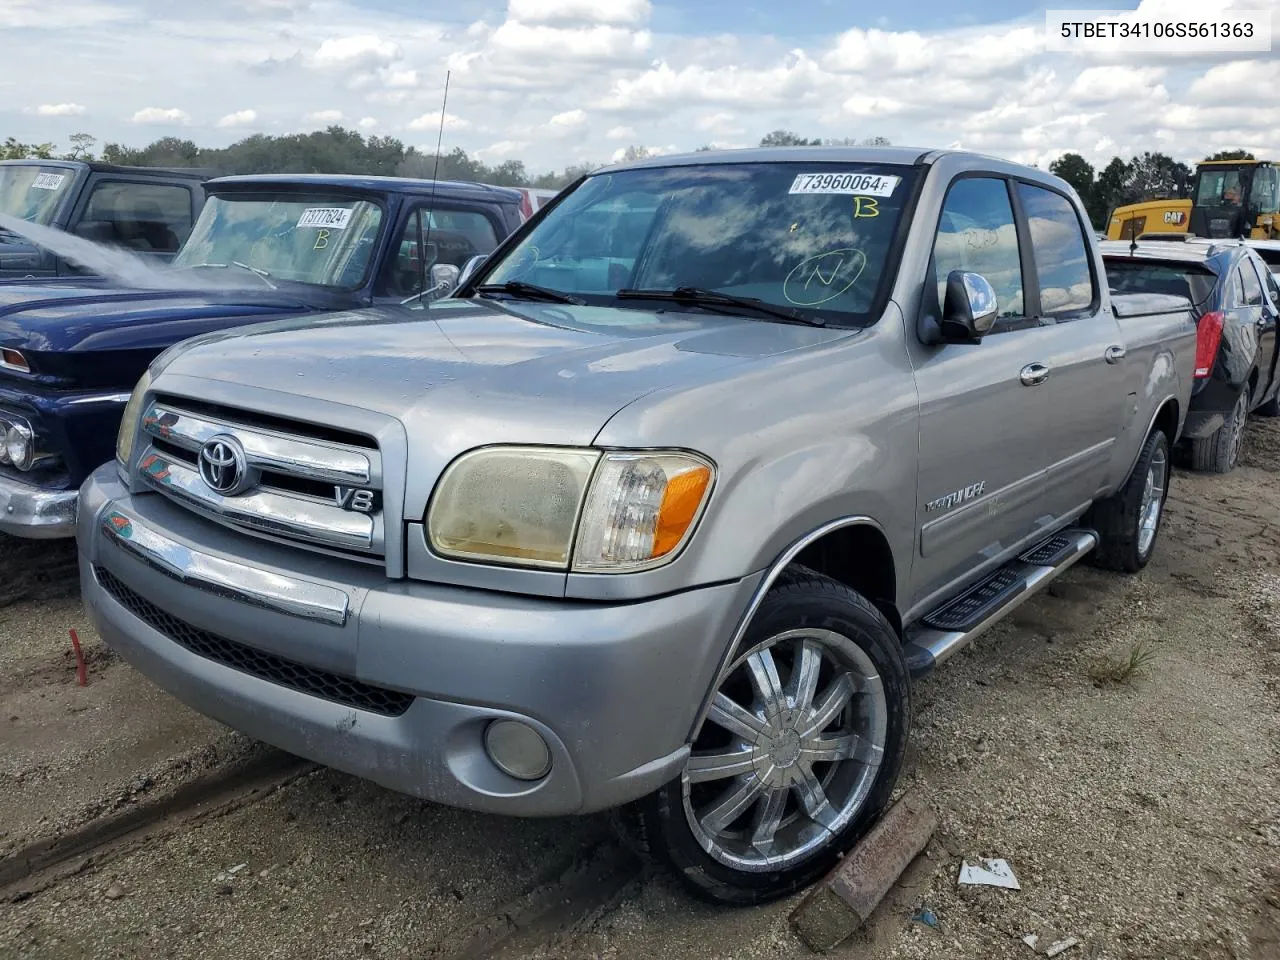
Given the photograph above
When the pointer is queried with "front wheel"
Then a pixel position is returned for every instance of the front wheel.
(799, 753)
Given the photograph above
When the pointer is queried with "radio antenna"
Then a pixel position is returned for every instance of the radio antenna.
(435, 178)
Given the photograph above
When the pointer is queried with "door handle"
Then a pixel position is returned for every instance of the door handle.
(1114, 353)
(1033, 374)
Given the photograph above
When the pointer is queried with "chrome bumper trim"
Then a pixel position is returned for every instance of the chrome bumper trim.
(259, 588)
(35, 513)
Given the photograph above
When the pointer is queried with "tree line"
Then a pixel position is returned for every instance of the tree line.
(1149, 176)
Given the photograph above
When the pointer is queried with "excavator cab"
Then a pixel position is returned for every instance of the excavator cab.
(1235, 198)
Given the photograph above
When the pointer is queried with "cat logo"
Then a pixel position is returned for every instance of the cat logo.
(964, 494)
(1174, 217)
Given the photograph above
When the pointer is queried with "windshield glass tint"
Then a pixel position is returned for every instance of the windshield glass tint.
(33, 193)
(1175, 279)
(814, 236)
(308, 240)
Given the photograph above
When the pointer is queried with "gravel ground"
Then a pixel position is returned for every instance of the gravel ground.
(1140, 814)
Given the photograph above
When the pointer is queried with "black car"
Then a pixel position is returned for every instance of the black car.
(1238, 300)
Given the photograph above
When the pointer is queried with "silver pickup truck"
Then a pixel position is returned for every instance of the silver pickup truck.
(664, 509)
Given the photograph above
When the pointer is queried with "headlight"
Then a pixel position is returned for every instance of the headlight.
(518, 504)
(129, 422)
(586, 510)
(19, 446)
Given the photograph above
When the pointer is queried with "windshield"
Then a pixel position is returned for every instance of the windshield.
(312, 239)
(1177, 279)
(813, 237)
(1221, 187)
(32, 192)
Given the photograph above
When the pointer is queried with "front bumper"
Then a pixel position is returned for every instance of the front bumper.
(35, 513)
(396, 681)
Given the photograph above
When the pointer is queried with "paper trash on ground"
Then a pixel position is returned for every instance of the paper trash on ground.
(991, 873)
(1052, 950)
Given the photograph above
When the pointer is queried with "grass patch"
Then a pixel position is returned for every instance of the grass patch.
(1118, 671)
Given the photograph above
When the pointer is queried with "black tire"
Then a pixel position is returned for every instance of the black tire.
(1118, 519)
(1220, 452)
(1271, 408)
(657, 825)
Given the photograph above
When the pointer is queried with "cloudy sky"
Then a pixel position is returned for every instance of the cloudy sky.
(555, 82)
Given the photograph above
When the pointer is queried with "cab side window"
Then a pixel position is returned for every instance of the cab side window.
(1060, 253)
(976, 234)
(147, 217)
(1250, 286)
(450, 236)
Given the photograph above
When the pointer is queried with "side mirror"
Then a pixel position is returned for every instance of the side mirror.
(469, 268)
(970, 307)
(444, 280)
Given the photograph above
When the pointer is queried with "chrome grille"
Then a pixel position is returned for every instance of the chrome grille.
(294, 477)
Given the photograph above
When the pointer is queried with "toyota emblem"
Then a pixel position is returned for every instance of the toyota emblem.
(223, 466)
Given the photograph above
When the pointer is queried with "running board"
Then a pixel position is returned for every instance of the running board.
(944, 631)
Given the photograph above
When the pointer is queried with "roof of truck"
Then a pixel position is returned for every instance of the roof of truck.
(902, 156)
(455, 188)
(195, 173)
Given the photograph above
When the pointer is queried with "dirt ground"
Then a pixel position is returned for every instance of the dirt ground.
(1140, 812)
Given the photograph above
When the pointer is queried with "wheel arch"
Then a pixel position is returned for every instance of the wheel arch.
(872, 574)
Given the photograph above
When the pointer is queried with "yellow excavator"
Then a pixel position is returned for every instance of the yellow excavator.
(1229, 199)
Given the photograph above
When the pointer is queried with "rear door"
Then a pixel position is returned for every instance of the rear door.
(1266, 331)
(984, 414)
(1082, 347)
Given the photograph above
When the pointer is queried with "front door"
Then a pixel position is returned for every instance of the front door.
(984, 408)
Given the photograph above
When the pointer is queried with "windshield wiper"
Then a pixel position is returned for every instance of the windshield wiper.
(258, 272)
(529, 291)
(700, 297)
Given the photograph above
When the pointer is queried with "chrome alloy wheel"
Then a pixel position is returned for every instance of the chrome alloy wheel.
(1152, 500)
(780, 767)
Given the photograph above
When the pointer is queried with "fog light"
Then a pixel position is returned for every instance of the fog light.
(18, 447)
(518, 750)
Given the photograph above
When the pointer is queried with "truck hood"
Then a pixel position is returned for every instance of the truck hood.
(492, 371)
(44, 318)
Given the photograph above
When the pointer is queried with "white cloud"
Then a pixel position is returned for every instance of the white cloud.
(569, 120)
(579, 11)
(400, 78)
(325, 117)
(361, 50)
(431, 121)
(241, 118)
(501, 150)
(159, 115)
(367, 123)
(57, 110)
(621, 133)
(1230, 82)
(585, 43)
(718, 123)
(1113, 84)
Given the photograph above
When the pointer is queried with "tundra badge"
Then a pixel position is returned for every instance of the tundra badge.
(971, 492)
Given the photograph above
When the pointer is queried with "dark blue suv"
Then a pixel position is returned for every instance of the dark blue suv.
(262, 247)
